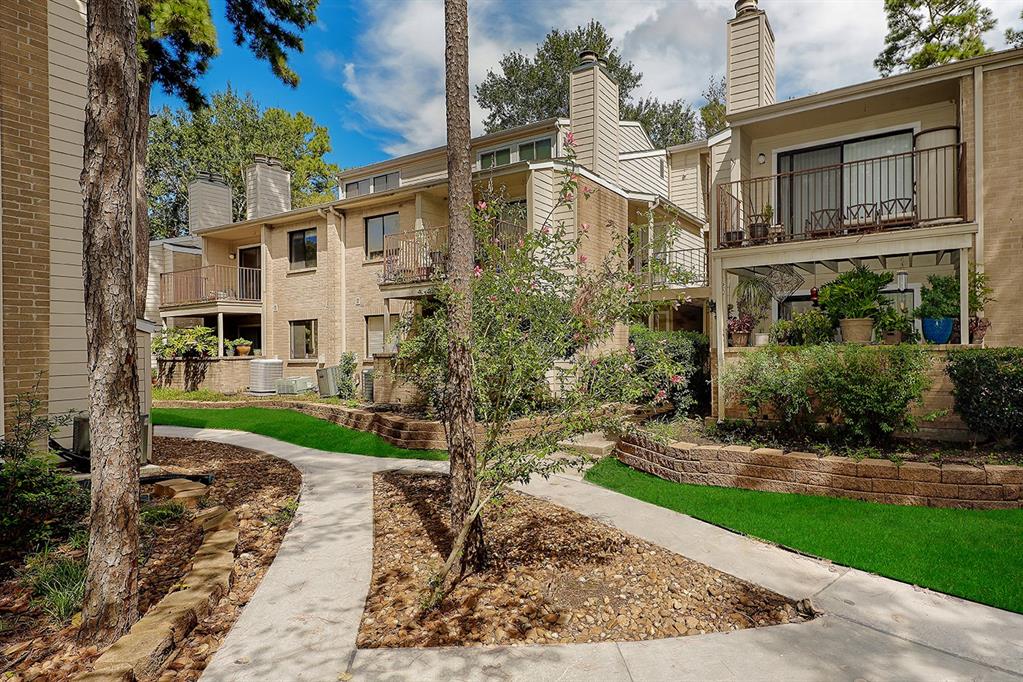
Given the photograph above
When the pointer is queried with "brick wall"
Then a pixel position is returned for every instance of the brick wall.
(24, 198)
(874, 480)
(1003, 202)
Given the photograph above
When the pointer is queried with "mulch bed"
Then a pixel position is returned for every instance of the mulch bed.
(554, 576)
(256, 486)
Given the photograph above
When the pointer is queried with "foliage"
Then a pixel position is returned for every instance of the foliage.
(159, 515)
(613, 378)
(939, 298)
(981, 293)
(988, 390)
(712, 114)
(222, 138)
(234, 343)
(178, 38)
(283, 515)
(185, 342)
(528, 88)
(57, 582)
(923, 33)
(810, 327)
(1014, 37)
(203, 395)
(783, 332)
(866, 390)
(753, 297)
(855, 294)
(347, 366)
(672, 362)
(743, 324)
(892, 319)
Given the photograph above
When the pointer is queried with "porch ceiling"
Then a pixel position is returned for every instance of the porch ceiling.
(212, 308)
(827, 253)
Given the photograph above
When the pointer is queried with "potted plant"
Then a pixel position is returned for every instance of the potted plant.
(783, 332)
(753, 297)
(241, 346)
(854, 299)
(739, 329)
(939, 306)
(895, 327)
(759, 223)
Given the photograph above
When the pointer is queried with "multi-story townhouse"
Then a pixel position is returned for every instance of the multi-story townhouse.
(918, 173)
(309, 284)
(43, 70)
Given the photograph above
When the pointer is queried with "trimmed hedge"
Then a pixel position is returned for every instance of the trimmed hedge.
(988, 390)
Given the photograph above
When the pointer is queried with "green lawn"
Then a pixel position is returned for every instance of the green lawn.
(976, 555)
(289, 426)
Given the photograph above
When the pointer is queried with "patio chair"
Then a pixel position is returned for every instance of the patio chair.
(861, 217)
(896, 211)
(826, 222)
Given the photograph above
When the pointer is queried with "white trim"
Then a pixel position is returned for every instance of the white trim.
(513, 151)
(719, 136)
(978, 165)
(193, 250)
(646, 153)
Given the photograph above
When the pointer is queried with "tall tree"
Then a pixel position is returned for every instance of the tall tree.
(924, 33)
(221, 138)
(532, 88)
(177, 40)
(1015, 36)
(111, 588)
(667, 123)
(712, 114)
(459, 411)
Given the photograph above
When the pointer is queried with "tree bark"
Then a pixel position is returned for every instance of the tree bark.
(141, 203)
(461, 427)
(111, 588)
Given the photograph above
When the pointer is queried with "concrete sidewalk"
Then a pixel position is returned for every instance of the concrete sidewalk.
(301, 623)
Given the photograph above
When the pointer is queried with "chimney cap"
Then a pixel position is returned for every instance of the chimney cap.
(210, 176)
(588, 57)
(266, 160)
(745, 7)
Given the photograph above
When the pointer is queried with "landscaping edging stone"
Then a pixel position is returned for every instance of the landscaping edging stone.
(992, 486)
(142, 653)
(397, 429)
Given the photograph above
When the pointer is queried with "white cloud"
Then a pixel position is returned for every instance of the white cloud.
(395, 72)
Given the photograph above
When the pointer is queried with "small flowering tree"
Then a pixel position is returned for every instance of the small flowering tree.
(542, 310)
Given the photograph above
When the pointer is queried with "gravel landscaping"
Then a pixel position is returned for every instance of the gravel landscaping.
(555, 576)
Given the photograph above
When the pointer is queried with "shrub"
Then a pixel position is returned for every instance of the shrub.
(346, 376)
(855, 294)
(185, 342)
(783, 332)
(613, 378)
(675, 362)
(939, 298)
(987, 384)
(57, 584)
(867, 390)
(804, 329)
(38, 505)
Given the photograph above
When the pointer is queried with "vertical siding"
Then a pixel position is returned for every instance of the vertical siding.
(67, 87)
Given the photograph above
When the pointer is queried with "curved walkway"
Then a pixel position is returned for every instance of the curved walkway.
(302, 621)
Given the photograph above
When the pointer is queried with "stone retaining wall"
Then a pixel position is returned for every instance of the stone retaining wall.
(875, 480)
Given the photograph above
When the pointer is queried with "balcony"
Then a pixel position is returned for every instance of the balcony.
(419, 256)
(919, 188)
(690, 263)
(210, 284)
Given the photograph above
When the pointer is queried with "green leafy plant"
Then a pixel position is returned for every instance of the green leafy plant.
(893, 320)
(675, 362)
(855, 294)
(57, 582)
(347, 366)
(783, 332)
(234, 343)
(981, 293)
(161, 514)
(806, 328)
(283, 515)
(185, 342)
(753, 297)
(987, 386)
(939, 298)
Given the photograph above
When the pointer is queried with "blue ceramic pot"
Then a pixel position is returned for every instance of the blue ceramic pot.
(938, 330)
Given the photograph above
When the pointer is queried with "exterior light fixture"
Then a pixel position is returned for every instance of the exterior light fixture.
(902, 280)
(813, 295)
(761, 159)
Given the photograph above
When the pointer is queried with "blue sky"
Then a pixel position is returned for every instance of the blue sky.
(372, 70)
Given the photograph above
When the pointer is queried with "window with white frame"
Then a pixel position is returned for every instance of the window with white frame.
(376, 337)
(388, 181)
(303, 339)
(534, 150)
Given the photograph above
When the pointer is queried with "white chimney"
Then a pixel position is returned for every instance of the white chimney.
(267, 188)
(594, 112)
(209, 202)
(750, 59)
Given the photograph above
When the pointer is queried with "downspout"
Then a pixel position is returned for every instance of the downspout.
(978, 165)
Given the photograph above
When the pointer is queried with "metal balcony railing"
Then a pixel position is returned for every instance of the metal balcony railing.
(210, 283)
(690, 265)
(919, 188)
(422, 255)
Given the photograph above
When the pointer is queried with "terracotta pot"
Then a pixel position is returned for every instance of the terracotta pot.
(857, 329)
(243, 350)
(739, 339)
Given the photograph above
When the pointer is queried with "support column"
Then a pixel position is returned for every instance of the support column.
(720, 337)
(387, 321)
(964, 296)
(220, 335)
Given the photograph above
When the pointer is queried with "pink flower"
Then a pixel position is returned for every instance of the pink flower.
(482, 206)
(546, 229)
(629, 286)
(574, 177)
(584, 227)
(569, 139)
(569, 196)
(632, 348)
(477, 271)
(588, 191)
(593, 362)
(516, 289)
(582, 258)
(676, 379)
(661, 395)
(492, 299)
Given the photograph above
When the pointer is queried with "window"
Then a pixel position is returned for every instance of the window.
(358, 188)
(376, 340)
(302, 249)
(382, 183)
(498, 157)
(303, 339)
(377, 228)
(539, 150)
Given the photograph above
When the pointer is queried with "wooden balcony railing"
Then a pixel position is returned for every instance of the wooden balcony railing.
(919, 188)
(422, 255)
(209, 284)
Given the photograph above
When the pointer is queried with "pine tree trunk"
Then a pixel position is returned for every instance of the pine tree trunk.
(141, 203)
(461, 427)
(111, 588)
